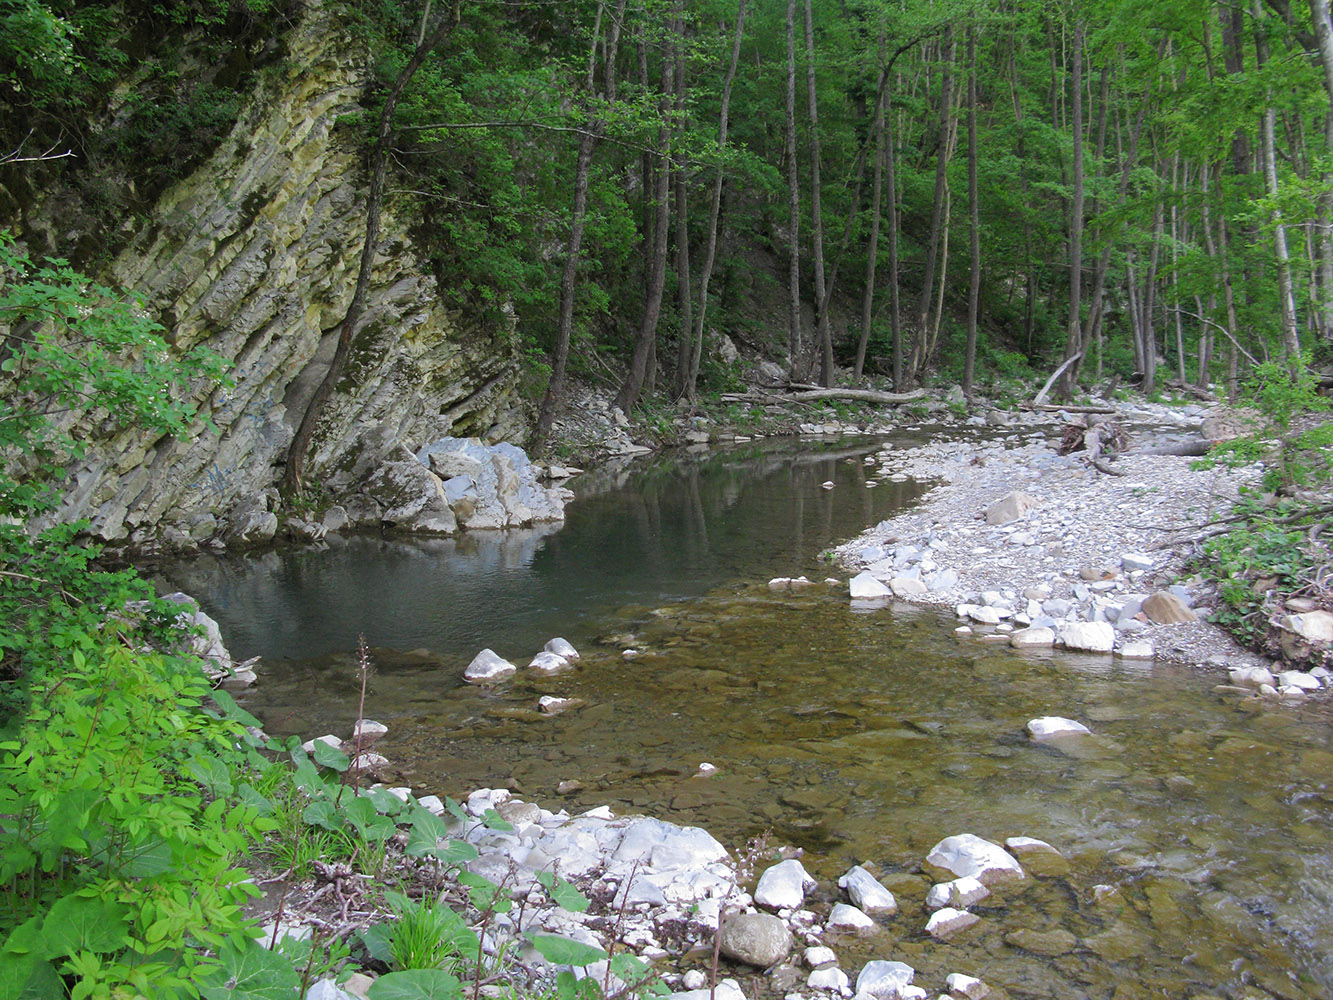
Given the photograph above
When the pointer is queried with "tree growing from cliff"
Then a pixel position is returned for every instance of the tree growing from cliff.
(293, 480)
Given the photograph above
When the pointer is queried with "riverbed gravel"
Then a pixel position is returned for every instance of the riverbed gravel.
(1080, 546)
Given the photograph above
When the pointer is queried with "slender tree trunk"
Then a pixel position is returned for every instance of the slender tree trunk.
(823, 334)
(895, 306)
(714, 209)
(1291, 342)
(569, 270)
(921, 348)
(973, 216)
(293, 480)
(1175, 269)
(872, 244)
(646, 342)
(685, 301)
(1149, 302)
(1323, 29)
(794, 338)
(1074, 330)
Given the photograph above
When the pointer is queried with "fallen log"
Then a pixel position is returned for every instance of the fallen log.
(1174, 448)
(1055, 408)
(816, 395)
(1041, 396)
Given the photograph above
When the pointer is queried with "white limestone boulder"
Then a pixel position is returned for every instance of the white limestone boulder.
(867, 893)
(487, 667)
(783, 886)
(967, 855)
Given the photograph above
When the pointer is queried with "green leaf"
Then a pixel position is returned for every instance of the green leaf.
(253, 973)
(233, 711)
(456, 810)
(378, 939)
(384, 801)
(322, 813)
(563, 893)
(330, 756)
(26, 977)
(78, 923)
(494, 821)
(565, 951)
(417, 984)
(485, 894)
(153, 857)
(212, 773)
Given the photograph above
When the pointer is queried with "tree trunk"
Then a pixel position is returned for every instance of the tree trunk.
(937, 210)
(714, 209)
(823, 334)
(293, 480)
(794, 345)
(1291, 343)
(1074, 329)
(895, 306)
(684, 298)
(973, 217)
(872, 244)
(569, 271)
(1323, 29)
(657, 254)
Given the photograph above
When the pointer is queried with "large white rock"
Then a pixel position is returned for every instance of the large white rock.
(488, 666)
(866, 891)
(412, 497)
(830, 978)
(1313, 626)
(728, 989)
(1091, 637)
(783, 886)
(562, 647)
(1030, 845)
(547, 662)
(884, 979)
(864, 586)
(966, 855)
(1053, 726)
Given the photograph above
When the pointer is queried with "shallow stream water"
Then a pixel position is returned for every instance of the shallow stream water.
(1195, 829)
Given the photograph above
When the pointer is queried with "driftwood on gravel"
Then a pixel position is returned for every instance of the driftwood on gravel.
(1100, 439)
(815, 395)
(1056, 408)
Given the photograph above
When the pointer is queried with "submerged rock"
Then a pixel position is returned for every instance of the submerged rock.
(1053, 726)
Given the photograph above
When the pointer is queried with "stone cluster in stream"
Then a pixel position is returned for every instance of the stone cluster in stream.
(1036, 549)
(661, 891)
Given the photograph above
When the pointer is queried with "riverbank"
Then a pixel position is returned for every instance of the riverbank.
(1039, 549)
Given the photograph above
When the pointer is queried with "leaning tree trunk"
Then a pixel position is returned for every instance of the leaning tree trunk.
(293, 480)
(938, 209)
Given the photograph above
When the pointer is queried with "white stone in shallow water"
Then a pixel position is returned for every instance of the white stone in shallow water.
(831, 978)
(960, 894)
(1029, 845)
(848, 918)
(1091, 637)
(1032, 638)
(488, 666)
(562, 647)
(818, 955)
(1052, 726)
(783, 886)
(1141, 650)
(866, 891)
(547, 662)
(864, 586)
(884, 979)
(1252, 676)
(984, 615)
(945, 923)
(966, 855)
(1298, 679)
(966, 986)
(728, 989)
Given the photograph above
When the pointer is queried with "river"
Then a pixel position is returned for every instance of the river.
(1198, 857)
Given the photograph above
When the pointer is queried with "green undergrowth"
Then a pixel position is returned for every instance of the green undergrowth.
(1273, 549)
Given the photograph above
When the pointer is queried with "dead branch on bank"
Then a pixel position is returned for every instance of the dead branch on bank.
(813, 395)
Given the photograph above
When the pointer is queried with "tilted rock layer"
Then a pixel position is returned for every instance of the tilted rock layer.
(255, 256)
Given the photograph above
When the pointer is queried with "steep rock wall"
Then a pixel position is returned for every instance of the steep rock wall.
(255, 256)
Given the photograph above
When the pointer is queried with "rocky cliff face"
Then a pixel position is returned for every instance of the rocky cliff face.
(255, 255)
